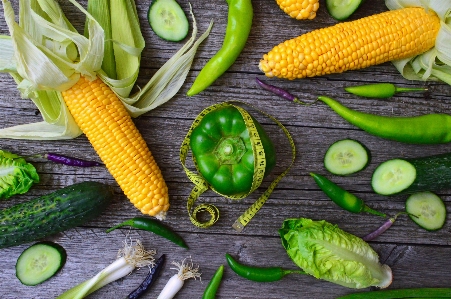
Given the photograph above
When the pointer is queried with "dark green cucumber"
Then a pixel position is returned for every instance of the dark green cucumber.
(40, 262)
(53, 213)
(431, 173)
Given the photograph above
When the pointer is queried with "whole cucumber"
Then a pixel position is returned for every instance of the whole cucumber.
(53, 213)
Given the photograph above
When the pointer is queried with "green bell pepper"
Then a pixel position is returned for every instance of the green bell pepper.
(223, 154)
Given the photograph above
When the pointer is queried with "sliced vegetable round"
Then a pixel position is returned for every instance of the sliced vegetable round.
(39, 262)
(393, 176)
(168, 20)
(346, 156)
(427, 210)
(342, 9)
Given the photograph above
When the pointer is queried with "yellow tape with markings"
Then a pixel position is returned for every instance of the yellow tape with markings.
(201, 185)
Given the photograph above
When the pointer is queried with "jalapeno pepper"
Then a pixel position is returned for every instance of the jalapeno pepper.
(152, 225)
(425, 129)
(213, 285)
(343, 198)
(238, 28)
(223, 152)
(259, 274)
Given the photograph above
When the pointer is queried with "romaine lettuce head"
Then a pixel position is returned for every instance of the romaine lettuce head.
(327, 252)
(16, 175)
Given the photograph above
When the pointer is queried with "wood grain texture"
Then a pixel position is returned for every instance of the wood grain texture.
(418, 258)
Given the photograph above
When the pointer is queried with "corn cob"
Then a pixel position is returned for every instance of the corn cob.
(299, 9)
(111, 131)
(376, 39)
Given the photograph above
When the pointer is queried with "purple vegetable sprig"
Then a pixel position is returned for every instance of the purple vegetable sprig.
(66, 160)
(386, 225)
(281, 93)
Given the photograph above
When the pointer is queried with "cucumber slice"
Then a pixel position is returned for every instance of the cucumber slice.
(342, 9)
(346, 156)
(393, 176)
(168, 20)
(39, 262)
(427, 210)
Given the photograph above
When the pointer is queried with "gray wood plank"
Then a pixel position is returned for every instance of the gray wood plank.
(417, 257)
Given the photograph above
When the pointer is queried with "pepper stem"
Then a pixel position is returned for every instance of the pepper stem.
(374, 212)
(286, 272)
(406, 89)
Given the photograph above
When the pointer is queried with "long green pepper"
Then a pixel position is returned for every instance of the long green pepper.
(343, 198)
(213, 285)
(259, 274)
(424, 129)
(239, 25)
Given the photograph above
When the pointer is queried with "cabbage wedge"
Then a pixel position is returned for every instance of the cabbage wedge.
(45, 55)
(325, 251)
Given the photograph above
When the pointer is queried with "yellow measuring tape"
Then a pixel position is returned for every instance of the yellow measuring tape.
(201, 185)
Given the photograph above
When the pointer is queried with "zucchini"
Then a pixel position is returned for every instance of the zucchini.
(342, 9)
(427, 210)
(168, 20)
(346, 157)
(53, 213)
(40, 262)
(407, 176)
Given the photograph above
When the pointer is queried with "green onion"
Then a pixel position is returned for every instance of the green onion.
(130, 257)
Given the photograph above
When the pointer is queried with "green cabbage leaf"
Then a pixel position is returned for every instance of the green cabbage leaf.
(325, 251)
(16, 175)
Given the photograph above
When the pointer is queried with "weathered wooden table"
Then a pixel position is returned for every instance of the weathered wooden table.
(418, 258)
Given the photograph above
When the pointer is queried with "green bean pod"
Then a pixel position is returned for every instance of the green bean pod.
(424, 129)
(343, 198)
(239, 25)
(379, 90)
(213, 285)
(259, 274)
(152, 225)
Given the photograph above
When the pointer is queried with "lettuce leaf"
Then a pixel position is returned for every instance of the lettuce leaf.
(325, 251)
(16, 175)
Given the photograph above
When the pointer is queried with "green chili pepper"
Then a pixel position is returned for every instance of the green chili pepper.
(343, 198)
(152, 225)
(222, 150)
(213, 285)
(425, 129)
(379, 90)
(260, 274)
(238, 28)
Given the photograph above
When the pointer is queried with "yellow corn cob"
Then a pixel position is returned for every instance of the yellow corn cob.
(299, 9)
(111, 131)
(376, 39)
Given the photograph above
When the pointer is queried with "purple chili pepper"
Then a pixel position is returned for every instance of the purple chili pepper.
(280, 92)
(71, 161)
(387, 224)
